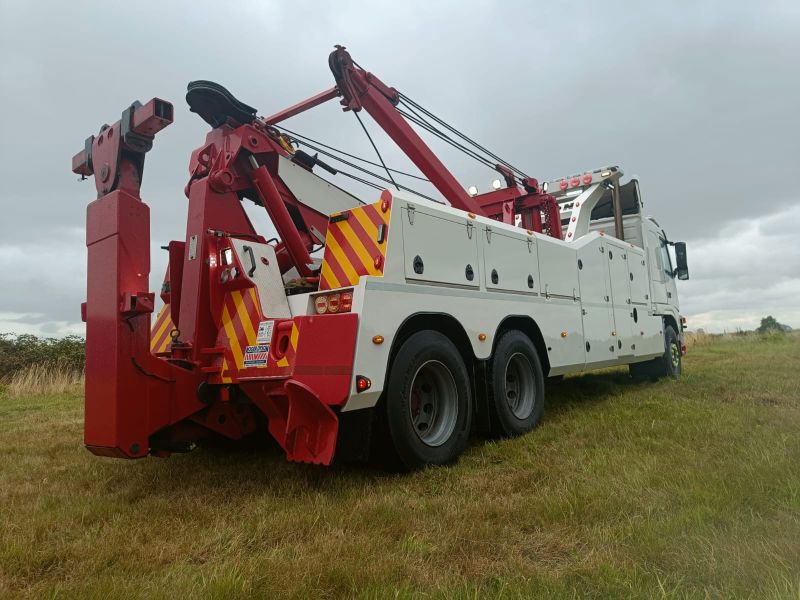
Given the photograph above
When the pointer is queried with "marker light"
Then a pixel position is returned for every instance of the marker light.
(472, 190)
(362, 383)
(544, 187)
(496, 184)
(587, 179)
(563, 184)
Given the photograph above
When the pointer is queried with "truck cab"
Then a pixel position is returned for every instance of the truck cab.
(618, 211)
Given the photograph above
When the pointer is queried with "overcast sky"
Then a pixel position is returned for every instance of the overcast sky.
(699, 100)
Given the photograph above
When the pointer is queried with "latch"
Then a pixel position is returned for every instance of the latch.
(411, 211)
(530, 245)
(488, 235)
(470, 227)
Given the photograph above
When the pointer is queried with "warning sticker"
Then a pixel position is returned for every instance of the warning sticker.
(264, 335)
(256, 356)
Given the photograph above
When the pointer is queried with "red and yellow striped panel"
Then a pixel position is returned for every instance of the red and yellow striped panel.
(352, 249)
(161, 330)
(238, 328)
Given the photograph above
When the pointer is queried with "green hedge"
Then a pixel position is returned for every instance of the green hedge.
(20, 351)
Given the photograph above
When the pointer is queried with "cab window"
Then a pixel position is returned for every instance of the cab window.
(666, 263)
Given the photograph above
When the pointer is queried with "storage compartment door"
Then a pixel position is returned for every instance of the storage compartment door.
(510, 263)
(598, 318)
(438, 250)
(620, 296)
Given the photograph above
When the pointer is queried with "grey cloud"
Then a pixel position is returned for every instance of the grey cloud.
(697, 99)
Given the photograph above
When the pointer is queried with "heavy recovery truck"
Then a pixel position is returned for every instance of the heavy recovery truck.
(423, 321)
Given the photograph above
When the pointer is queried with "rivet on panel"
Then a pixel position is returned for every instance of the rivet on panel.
(377, 339)
(482, 337)
(563, 334)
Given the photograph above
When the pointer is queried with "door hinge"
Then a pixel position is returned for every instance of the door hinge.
(411, 211)
(470, 227)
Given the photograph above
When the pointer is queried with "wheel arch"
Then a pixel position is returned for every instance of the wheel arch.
(444, 323)
(528, 326)
(671, 320)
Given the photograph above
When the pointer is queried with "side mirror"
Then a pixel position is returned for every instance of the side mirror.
(682, 270)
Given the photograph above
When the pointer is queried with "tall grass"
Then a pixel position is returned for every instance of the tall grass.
(53, 378)
(40, 365)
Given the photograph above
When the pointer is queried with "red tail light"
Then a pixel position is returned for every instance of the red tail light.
(587, 179)
(333, 302)
(346, 303)
(362, 383)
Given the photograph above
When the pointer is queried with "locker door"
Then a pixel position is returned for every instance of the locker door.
(598, 318)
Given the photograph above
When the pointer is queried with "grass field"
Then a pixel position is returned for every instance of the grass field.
(685, 488)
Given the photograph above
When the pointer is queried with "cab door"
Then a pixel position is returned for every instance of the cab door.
(655, 262)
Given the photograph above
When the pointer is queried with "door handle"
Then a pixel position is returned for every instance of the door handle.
(249, 251)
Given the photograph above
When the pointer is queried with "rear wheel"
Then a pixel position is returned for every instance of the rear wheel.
(668, 364)
(516, 385)
(428, 404)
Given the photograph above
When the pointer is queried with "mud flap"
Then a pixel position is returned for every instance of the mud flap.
(305, 428)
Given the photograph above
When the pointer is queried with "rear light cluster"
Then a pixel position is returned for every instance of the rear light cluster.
(334, 302)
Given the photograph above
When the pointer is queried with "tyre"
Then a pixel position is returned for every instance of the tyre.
(516, 385)
(669, 364)
(428, 403)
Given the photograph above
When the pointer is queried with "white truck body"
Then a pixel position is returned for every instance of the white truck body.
(595, 301)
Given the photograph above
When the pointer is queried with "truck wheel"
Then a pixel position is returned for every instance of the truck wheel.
(669, 364)
(516, 385)
(428, 404)
(672, 355)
